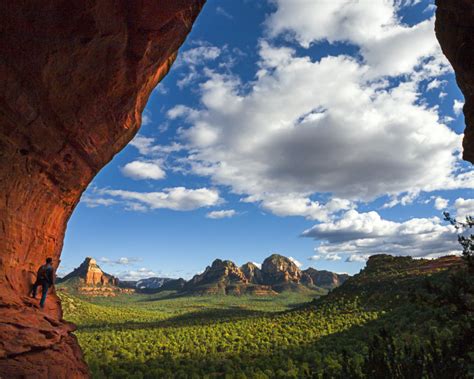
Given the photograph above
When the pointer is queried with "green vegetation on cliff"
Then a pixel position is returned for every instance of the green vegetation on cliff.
(398, 318)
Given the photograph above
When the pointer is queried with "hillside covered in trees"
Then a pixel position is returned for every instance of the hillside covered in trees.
(398, 318)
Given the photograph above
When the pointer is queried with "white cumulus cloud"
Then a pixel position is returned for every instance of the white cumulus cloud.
(93, 202)
(134, 275)
(359, 235)
(176, 198)
(388, 46)
(140, 170)
(464, 207)
(441, 203)
(306, 127)
(457, 107)
(125, 261)
(228, 213)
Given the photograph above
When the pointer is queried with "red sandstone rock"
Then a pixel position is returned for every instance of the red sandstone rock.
(252, 273)
(455, 33)
(277, 269)
(75, 77)
(89, 279)
(90, 274)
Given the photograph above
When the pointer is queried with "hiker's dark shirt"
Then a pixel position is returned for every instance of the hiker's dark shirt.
(46, 273)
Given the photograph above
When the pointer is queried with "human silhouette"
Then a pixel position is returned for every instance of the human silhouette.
(45, 279)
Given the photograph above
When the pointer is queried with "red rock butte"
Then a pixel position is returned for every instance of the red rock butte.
(75, 77)
(90, 274)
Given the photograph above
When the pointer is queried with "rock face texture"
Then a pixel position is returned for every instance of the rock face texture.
(173, 285)
(89, 279)
(277, 269)
(278, 274)
(91, 275)
(455, 32)
(322, 278)
(221, 277)
(75, 77)
(252, 273)
(220, 270)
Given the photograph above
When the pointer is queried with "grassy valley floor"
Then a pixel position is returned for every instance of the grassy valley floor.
(384, 322)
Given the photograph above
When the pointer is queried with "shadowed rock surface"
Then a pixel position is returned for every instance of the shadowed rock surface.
(277, 269)
(252, 272)
(221, 277)
(173, 285)
(278, 274)
(75, 77)
(322, 278)
(455, 32)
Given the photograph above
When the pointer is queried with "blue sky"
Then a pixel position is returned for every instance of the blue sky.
(324, 131)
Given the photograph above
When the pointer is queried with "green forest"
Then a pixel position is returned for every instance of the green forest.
(398, 318)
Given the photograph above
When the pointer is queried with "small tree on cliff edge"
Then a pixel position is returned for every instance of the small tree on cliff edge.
(467, 242)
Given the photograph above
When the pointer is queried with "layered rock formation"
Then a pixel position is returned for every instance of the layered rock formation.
(278, 274)
(91, 275)
(322, 278)
(89, 279)
(76, 76)
(221, 277)
(277, 269)
(252, 273)
(455, 32)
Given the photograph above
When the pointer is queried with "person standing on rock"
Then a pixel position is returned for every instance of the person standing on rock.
(45, 279)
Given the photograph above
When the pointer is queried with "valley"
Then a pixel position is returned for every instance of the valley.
(394, 319)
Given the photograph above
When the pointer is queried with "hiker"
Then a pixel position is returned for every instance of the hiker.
(45, 279)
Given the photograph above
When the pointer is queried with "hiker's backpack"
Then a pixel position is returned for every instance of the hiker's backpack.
(42, 273)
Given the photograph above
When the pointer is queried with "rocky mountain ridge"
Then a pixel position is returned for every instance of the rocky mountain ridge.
(277, 274)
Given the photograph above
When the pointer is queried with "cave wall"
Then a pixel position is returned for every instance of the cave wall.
(455, 32)
(75, 77)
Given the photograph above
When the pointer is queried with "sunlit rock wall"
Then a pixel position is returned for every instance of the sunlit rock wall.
(75, 77)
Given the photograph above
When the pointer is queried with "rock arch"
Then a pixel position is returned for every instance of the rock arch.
(75, 77)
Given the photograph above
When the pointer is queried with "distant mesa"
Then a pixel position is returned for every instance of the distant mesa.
(154, 284)
(222, 277)
(173, 285)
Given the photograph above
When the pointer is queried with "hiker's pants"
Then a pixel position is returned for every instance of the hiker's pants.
(44, 287)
